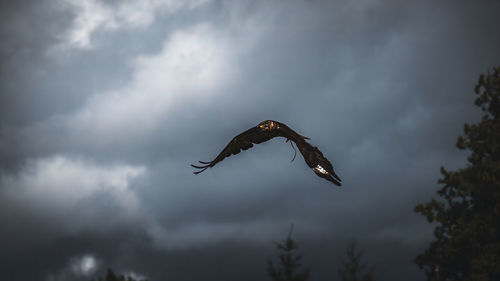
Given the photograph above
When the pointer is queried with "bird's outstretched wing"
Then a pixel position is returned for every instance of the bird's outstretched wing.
(267, 130)
(319, 164)
(241, 142)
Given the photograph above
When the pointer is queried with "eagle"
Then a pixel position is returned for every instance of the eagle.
(267, 130)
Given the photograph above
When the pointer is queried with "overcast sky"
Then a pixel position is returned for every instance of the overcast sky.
(104, 104)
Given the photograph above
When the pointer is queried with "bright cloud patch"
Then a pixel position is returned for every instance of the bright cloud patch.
(84, 265)
(94, 15)
(136, 276)
(192, 65)
(59, 187)
(77, 268)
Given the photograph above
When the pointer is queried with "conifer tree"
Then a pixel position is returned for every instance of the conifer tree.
(351, 267)
(467, 235)
(290, 268)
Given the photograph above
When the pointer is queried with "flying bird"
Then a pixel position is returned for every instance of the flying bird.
(267, 130)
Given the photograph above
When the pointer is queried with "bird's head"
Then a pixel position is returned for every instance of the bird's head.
(267, 125)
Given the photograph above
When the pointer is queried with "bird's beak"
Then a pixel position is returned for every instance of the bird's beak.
(261, 126)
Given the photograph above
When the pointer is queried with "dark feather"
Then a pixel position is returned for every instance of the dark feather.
(241, 142)
(314, 158)
(267, 130)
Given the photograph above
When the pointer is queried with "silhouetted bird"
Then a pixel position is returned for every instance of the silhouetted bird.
(267, 130)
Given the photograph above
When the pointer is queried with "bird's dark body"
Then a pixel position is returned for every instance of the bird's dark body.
(267, 130)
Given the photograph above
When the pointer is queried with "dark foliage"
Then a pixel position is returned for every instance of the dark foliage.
(467, 245)
(290, 267)
(111, 276)
(351, 267)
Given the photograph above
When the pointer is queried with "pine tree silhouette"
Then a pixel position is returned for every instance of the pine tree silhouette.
(290, 267)
(467, 245)
(351, 267)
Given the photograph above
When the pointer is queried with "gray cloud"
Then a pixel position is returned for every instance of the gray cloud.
(97, 135)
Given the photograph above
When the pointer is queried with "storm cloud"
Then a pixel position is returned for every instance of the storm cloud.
(104, 104)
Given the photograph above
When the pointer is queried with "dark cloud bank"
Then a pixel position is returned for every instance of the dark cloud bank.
(96, 139)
